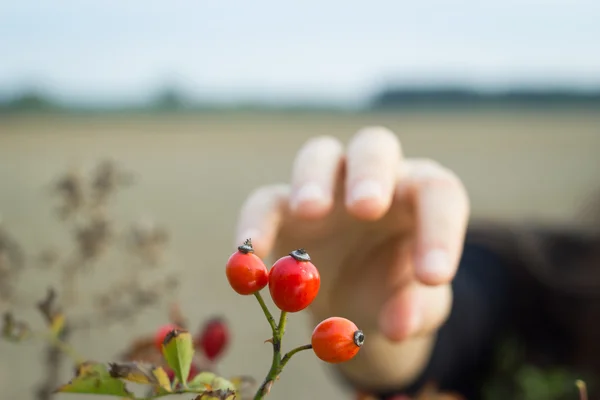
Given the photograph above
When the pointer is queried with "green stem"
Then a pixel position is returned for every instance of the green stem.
(264, 389)
(278, 362)
(290, 353)
(265, 309)
(282, 322)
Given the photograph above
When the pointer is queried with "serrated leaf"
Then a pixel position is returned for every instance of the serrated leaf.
(178, 351)
(145, 374)
(94, 378)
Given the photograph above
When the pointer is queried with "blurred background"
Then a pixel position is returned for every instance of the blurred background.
(197, 103)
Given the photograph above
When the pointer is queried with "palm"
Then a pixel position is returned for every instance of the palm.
(362, 263)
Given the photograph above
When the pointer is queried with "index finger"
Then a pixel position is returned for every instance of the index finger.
(442, 208)
(260, 217)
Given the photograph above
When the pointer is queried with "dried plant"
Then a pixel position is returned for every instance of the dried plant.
(84, 210)
(12, 261)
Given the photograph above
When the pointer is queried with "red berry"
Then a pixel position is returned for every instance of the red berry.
(336, 340)
(246, 272)
(161, 333)
(214, 338)
(294, 281)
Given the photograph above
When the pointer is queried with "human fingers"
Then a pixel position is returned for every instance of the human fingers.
(314, 175)
(415, 310)
(373, 155)
(260, 217)
(442, 213)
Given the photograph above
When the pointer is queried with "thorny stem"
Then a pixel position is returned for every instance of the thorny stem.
(278, 362)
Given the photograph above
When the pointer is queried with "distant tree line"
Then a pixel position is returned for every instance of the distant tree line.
(390, 98)
(400, 98)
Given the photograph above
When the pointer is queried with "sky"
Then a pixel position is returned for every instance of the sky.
(274, 50)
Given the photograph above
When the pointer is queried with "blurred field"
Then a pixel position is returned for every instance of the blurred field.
(195, 170)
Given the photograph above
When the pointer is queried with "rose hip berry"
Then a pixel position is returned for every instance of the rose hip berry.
(246, 272)
(336, 340)
(214, 338)
(294, 281)
(161, 333)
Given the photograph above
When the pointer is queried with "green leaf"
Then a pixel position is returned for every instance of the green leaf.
(211, 382)
(178, 350)
(214, 387)
(94, 378)
(222, 384)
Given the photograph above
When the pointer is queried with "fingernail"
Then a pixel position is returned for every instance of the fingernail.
(435, 262)
(309, 192)
(368, 189)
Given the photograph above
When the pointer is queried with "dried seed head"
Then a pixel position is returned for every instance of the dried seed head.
(300, 255)
(246, 247)
(359, 338)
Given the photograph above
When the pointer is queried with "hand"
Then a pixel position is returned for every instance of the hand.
(385, 232)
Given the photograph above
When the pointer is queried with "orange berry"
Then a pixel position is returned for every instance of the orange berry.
(336, 340)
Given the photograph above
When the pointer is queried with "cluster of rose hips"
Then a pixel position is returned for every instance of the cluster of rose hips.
(294, 283)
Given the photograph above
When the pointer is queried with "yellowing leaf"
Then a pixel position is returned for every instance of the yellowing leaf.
(133, 372)
(145, 374)
(217, 395)
(211, 382)
(222, 384)
(245, 386)
(162, 378)
(178, 350)
(94, 378)
(57, 324)
(202, 380)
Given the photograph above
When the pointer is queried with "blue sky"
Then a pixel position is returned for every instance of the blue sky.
(329, 50)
